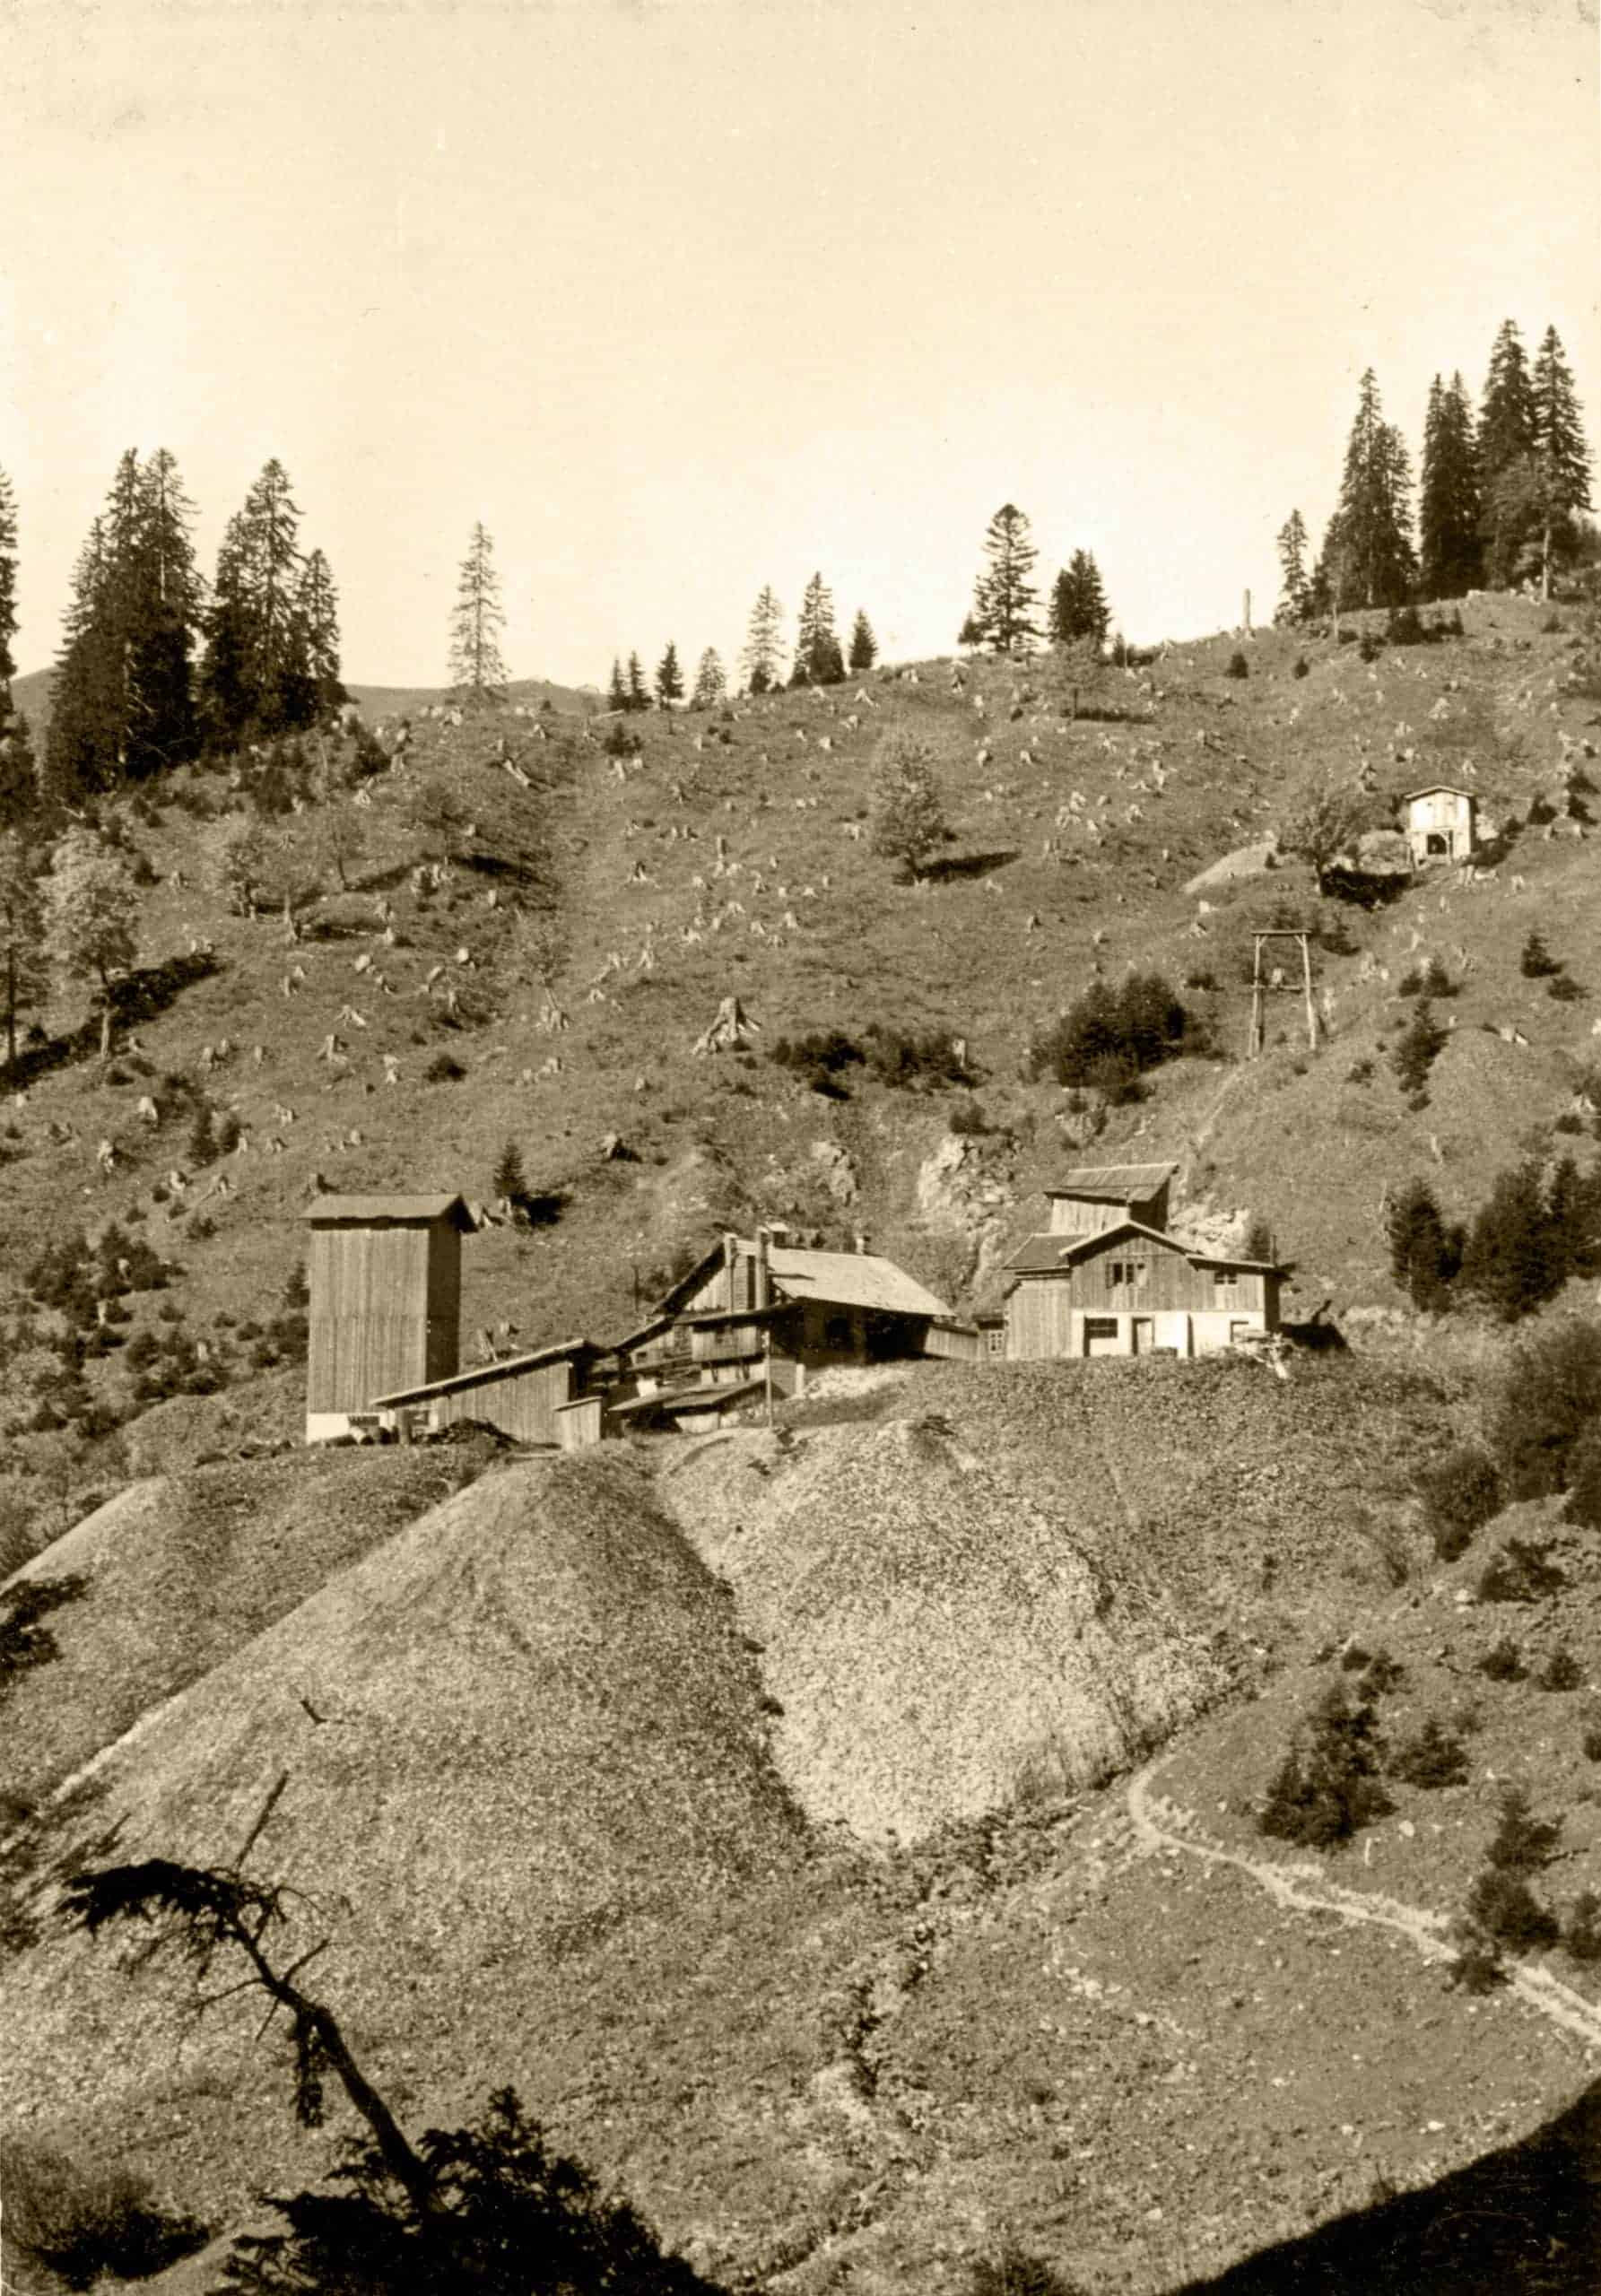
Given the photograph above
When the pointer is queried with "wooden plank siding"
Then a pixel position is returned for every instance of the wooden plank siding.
(1082, 1215)
(384, 1307)
(522, 1404)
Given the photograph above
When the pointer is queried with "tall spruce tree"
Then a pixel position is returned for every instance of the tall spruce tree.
(319, 622)
(1295, 594)
(669, 678)
(1507, 437)
(224, 685)
(164, 617)
(476, 621)
(1373, 517)
(1561, 457)
(82, 745)
(18, 790)
(616, 692)
(280, 675)
(639, 692)
(864, 645)
(818, 660)
(1078, 607)
(1005, 600)
(1450, 501)
(711, 684)
(762, 658)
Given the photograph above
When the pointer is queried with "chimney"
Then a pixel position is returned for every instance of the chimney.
(763, 1293)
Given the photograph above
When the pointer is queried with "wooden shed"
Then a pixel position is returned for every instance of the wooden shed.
(384, 1273)
(1442, 824)
(524, 1395)
(1133, 1290)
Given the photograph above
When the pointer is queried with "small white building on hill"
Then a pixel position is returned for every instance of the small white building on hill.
(1442, 824)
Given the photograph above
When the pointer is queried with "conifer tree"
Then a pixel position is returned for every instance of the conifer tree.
(711, 684)
(1450, 503)
(224, 694)
(1004, 601)
(81, 748)
(23, 970)
(477, 619)
(1508, 1261)
(616, 692)
(762, 658)
(162, 617)
(1508, 438)
(1295, 596)
(818, 660)
(1423, 1254)
(1373, 518)
(1079, 612)
(19, 796)
(1560, 455)
(92, 911)
(639, 693)
(669, 679)
(320, 622)
(864, 645)
(279, 671)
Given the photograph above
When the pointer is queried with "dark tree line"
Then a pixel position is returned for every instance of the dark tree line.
(1499, 499)
(154, 666)
(1533, 1230)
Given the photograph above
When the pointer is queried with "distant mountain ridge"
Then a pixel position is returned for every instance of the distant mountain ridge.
(32, 695)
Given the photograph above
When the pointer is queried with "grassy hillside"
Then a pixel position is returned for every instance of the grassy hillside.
(597, 910)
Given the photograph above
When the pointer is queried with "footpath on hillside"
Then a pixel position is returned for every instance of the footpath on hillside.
(1160, 1825)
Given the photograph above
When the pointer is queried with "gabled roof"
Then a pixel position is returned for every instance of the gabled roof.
(479, 1374)
(1441, 790)
(1054, 1255)
(844, 1279)
(1113, 1183)
(370, 1211)
(851, 1280)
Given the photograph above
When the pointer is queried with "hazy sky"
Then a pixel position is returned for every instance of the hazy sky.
(683, 297)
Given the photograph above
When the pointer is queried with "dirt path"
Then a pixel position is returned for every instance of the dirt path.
(1160, 1825)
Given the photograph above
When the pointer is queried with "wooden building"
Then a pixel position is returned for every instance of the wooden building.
(756, 1310)
(529, 1397)
(384, 1273)
(1442, 824)
(1108, 1279)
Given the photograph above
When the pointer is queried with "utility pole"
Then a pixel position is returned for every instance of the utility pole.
(1284, 933)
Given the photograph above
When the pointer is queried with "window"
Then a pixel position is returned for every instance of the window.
(1127, 1274)
(1225, 1287)
(995, 1340)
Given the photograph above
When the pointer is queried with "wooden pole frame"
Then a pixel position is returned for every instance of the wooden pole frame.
(1280, 932)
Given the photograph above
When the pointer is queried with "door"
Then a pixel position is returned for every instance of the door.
(1100, 1335)
(1144, 1334)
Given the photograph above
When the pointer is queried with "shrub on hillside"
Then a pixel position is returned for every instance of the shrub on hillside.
(1565, 989)
(1239, 667)
(1549, 1397)
(1523, 1843)
(1136, 1027)
(1417, 1048)
(1503, 1907)
(909, 825)
(1460, 1492)
(1014, 2273)
(1584, 1479)
(444, 1068)
(1520, 1572)
(1581, 1931)
(1302, 668)
(1535, 962)
(1502, 1662)
(80, 2223)
(1424, 1254)
(1327, 1787)
(1560, 1672)
(1432, 1757)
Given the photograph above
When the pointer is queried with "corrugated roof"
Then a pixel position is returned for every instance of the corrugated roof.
(478, 1373)
(852, 1280)
(1121, 1183)
(359, 1208)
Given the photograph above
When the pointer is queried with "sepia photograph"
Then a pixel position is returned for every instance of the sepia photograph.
(800, 1148)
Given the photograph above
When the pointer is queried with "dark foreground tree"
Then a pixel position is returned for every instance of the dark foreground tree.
(23, 969)
(1450, 503)
(864, 645)
(1369, 535)
(1295, 596)
(818, 660)
(669, 679)
(484, 2208)
(1424, 1254)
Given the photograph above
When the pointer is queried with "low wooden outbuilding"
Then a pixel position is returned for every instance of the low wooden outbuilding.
(525, 1396)
(384, 1275)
